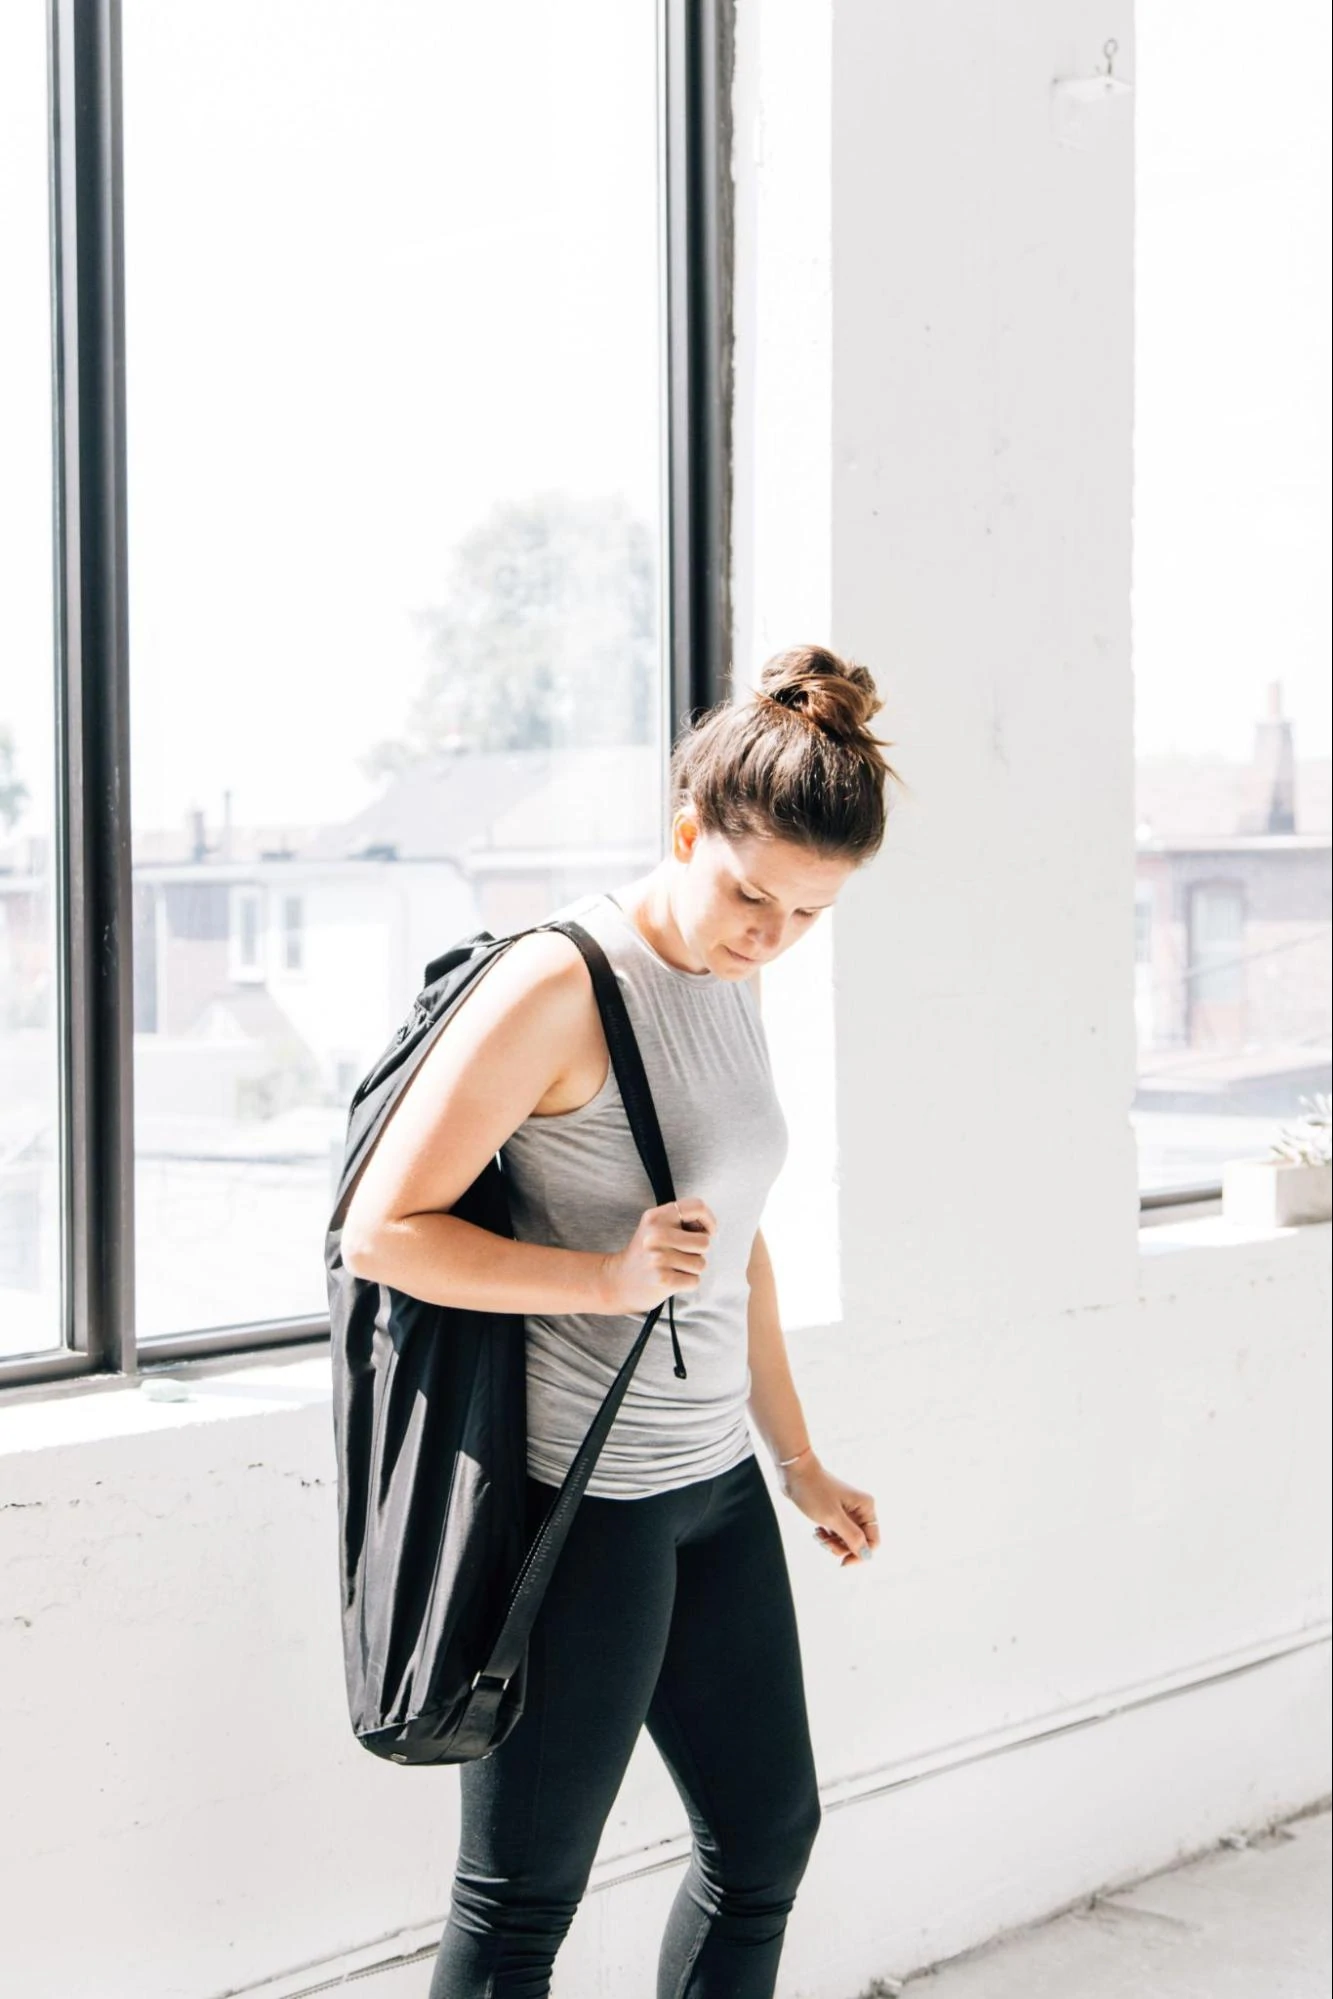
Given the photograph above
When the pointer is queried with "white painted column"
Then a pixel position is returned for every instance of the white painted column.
(934, 345)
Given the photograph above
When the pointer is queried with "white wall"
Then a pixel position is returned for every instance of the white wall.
(1096, 1636)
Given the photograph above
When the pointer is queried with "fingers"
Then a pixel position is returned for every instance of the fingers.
(849, 1538)
(693, 1247)
(861, 1509)
(688, 1213)
(677, 1261)
(681, 1232)
(837, 1547)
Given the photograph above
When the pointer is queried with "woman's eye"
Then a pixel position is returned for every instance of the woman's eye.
(757, 899)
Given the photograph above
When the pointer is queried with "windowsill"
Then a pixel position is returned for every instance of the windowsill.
(1173, 1214)
(133, 1405)
(1186, 1246)
(1183, 1248)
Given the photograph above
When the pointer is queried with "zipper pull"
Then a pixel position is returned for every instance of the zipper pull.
(675, 1339)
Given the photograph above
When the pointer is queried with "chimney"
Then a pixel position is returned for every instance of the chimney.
(1270, 793)
(226, 826)
(198, 837)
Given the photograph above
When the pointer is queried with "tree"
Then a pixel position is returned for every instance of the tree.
(548, 636)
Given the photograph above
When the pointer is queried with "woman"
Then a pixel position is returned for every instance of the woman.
(670, 1604)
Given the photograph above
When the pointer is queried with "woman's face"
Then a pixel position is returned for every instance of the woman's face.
(741, 903)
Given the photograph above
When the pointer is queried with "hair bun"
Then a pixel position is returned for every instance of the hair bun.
(792, 759)
(833, 694)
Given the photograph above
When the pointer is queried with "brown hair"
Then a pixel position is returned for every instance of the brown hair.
(793, 761)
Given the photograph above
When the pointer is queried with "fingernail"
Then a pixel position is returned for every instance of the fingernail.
(864, 1554)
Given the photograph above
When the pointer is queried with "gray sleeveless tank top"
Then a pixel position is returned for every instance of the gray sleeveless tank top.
(576, 1182)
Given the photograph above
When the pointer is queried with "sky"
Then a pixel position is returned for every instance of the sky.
(389, 264)
(385, 266)
(1231, 519)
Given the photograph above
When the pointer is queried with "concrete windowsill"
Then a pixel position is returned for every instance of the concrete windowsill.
(1206, 1250)
(1191, 1252)
(129, 1406)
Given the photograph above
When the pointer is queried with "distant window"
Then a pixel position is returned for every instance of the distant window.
(148, 913)
(1217, 943)
(1145, 1013)
(247, 934)
(293, 933)
(1143, 929)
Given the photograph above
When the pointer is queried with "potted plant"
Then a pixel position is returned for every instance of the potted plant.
(1294, 1184)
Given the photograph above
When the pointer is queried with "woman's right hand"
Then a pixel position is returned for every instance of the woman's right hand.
(667, 1252)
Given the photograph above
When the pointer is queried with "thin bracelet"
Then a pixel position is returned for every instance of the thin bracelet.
(784, 1462)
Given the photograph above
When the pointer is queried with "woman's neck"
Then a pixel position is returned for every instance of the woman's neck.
(647, 904)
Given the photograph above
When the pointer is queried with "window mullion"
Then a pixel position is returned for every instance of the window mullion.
(696, 91)
(93, 721)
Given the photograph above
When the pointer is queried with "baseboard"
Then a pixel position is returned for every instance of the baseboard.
(949, 1848)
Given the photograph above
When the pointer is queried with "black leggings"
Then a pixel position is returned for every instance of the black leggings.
(676, 1611)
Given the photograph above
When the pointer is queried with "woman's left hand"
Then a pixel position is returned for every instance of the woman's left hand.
(844, 1516)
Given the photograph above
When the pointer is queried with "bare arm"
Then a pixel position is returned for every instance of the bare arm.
(499, 1055)
(844, 1515)
(508, 1043)
(774, 1403)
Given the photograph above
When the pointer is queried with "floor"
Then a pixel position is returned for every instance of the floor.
(1244, 1922)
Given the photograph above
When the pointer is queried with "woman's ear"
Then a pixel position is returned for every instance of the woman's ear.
(684, 832)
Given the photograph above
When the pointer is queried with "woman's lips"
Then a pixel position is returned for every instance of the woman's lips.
(744, 960)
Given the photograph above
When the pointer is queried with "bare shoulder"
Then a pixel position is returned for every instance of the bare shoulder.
(510, 1039)
(541, 976)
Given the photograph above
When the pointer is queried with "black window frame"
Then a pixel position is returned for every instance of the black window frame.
(93, 872)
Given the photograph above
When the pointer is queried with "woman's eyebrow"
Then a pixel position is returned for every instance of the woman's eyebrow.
(769, 898)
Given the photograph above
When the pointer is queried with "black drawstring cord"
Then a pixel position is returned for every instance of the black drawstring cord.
(675, 1342)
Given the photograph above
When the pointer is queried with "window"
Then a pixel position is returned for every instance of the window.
(1143, 961)
(247, 934)
(411, 491)
(293, 933)
(1216, 975)
(32, 1155)
(1231, 535)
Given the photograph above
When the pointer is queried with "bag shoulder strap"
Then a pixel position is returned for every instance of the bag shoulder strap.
(626, 1060)
(539, 1562)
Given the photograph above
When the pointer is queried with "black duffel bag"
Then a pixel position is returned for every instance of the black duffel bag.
(439, 1585)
